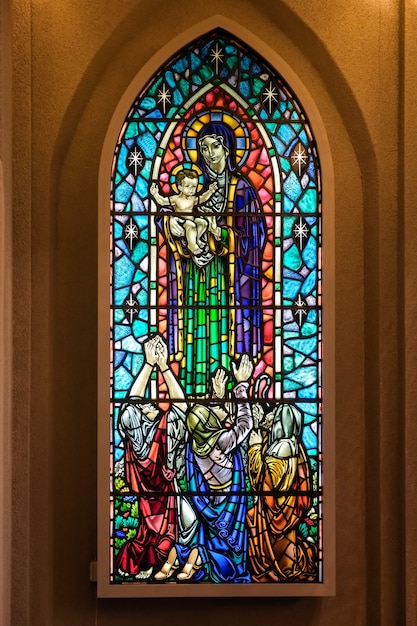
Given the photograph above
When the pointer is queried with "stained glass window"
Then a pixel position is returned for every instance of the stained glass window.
(215, 330)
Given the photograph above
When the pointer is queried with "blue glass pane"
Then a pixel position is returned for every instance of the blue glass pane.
(203, 280)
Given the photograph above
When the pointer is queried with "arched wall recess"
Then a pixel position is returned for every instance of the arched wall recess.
(220, 187)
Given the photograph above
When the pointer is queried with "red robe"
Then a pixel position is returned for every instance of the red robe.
(157, 512)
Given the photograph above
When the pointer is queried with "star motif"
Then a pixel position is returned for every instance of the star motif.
(131, 232)
(301, 231)
(301, 312)
(164, 97)
(216, 56)
(270, 95)
(135, 159)
(299, 157)
(131, 308)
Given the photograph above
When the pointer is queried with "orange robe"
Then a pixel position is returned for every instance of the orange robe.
(276, 551)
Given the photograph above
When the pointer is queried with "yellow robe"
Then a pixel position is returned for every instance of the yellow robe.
(276, 551)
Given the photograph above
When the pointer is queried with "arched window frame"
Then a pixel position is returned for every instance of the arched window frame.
(327, 586)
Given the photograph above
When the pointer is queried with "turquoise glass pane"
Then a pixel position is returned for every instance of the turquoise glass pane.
(205, 281)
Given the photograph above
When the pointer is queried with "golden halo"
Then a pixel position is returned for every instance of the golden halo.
(201, 119)
(186, 166)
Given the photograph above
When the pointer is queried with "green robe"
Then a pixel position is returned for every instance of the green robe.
(206, 325)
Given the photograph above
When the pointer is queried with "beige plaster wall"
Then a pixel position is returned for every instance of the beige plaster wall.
(72, 61)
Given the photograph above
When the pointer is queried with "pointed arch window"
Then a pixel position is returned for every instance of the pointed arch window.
(215, 427)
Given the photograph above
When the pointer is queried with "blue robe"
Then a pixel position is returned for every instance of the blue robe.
(221, 536)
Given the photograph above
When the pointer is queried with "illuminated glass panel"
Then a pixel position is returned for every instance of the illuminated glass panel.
(216, 328)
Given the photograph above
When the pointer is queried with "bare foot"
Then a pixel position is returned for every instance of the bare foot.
(144, 574)
(193, 564)
(170, 565)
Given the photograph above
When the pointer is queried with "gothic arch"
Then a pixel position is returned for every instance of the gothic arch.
(227, 106)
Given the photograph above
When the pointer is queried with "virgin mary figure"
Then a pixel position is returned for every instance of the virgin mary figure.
(215, 297)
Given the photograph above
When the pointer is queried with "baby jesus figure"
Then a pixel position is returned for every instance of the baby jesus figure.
(184, 204)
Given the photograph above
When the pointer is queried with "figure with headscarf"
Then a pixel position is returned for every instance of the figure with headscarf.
(216, 484)
(149, 458)
(279, 470)
(216, 296)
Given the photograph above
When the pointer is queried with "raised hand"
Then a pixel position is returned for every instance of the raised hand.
(161, 353)
(150, 351)
(245, 370)
(219, 382)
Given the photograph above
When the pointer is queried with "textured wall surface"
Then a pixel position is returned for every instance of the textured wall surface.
(72, 62)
